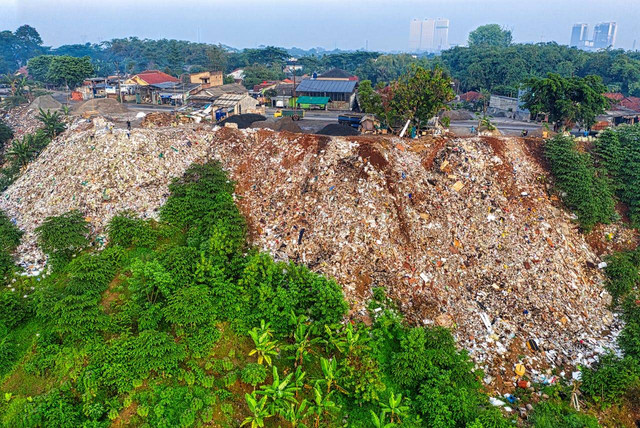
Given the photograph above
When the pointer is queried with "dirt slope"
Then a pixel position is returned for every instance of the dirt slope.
(460, 231)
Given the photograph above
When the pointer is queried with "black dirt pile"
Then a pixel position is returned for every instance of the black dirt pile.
(244, 120)
(338, 130)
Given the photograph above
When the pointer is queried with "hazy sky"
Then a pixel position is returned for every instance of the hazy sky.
(346, 24)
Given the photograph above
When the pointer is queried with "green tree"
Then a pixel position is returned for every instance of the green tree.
(566, 100)
(490, 35)
(39, 67)
(69, 71)
(63, 236)
(51, 123)
(419, 95)
(370, 101)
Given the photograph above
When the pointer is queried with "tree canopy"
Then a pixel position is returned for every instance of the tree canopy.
(490, 35)
(567, 101)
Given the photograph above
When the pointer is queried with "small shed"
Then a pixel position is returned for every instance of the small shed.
(235, 103)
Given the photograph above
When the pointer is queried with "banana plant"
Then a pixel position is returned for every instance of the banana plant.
(22, 151)
(330, 373)
(279, 392)
(321, 405)
(258, 409)
(295, 413)
(302, 340)
(264, 347)
(51, 123)
(378, 421)
(346, 340)
(395, 407)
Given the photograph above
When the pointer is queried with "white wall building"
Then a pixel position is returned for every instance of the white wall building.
(428, 35)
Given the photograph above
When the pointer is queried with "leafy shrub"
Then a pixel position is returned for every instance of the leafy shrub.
(61, 237)
(622, 274)
(9, 239)
(609, 379)
(13, 309)
(190, 306)
(552, 414)
(586, 190)
(6, 134)
(202, 200)
(254, 374)
(180, 262)
(127, 230)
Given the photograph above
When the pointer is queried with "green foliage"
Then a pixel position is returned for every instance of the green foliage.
(618, 151)
(552, 414)
(63, 236)
(566, 100)
(586, 190)
(622, 274)
(490, 35)
(610, 378)
(254, 374)
(6, 134)
(190, 306)
(127, 230)
(68, 71)
(52, 125)
(9, 239)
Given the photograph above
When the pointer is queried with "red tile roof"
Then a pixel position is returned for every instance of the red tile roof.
(153, 77)
(471, 96)
(632, 103)
(615, 96)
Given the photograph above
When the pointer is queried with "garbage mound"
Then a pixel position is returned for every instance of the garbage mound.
(102, 106)
(243, 120)
(45, 102)
(460, 232)
(338, 130)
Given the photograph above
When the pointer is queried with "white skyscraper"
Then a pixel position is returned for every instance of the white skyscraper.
(428, 35)
(415, 34)
(441, 39)
(604, 35)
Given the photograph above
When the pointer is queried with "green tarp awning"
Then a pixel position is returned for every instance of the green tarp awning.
(318, 101)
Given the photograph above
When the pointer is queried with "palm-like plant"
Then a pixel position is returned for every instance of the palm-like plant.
(378, 421)
(265, 348)
(302, 340)
(395, 407)
(51, 123)
(22, 151)
(345, 341)
(322, 404)
(330, 373)
(295, 413)
(279, 392)
(258, 409)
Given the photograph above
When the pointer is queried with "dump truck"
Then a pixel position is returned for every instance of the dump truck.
(293, 114)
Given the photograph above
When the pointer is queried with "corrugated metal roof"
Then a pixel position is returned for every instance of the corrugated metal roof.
(312, 85)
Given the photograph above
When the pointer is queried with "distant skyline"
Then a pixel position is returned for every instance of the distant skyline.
(345, 24)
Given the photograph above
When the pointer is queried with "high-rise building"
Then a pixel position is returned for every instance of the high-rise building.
(428, 35)
(604, 35)
(579, 35)
(441, 39)
(415, 34)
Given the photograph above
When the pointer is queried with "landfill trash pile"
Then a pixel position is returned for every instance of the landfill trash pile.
(461, 232)
(45, 102)
(101, 106)
(243, 120)
(338, 130)
(161, 119)
(23, 120)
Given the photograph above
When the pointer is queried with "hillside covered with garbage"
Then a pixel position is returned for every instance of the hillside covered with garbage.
(462, 233)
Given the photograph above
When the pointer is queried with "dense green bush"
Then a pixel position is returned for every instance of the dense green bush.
(556, 414)
(618, 151)
(13, 308)
(610, 378)
(622, 274)
(9, 239)
(585, 190)
(63, 236)
(254, 374)
(6, 134)
(127, 230)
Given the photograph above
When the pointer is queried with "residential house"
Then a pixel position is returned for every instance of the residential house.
(338, 85)
(206, 79)
(173, 93)
(238, 75)
(623, 110)
(150, 77)
(206, 96)
(234, 104)
(284, 94)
